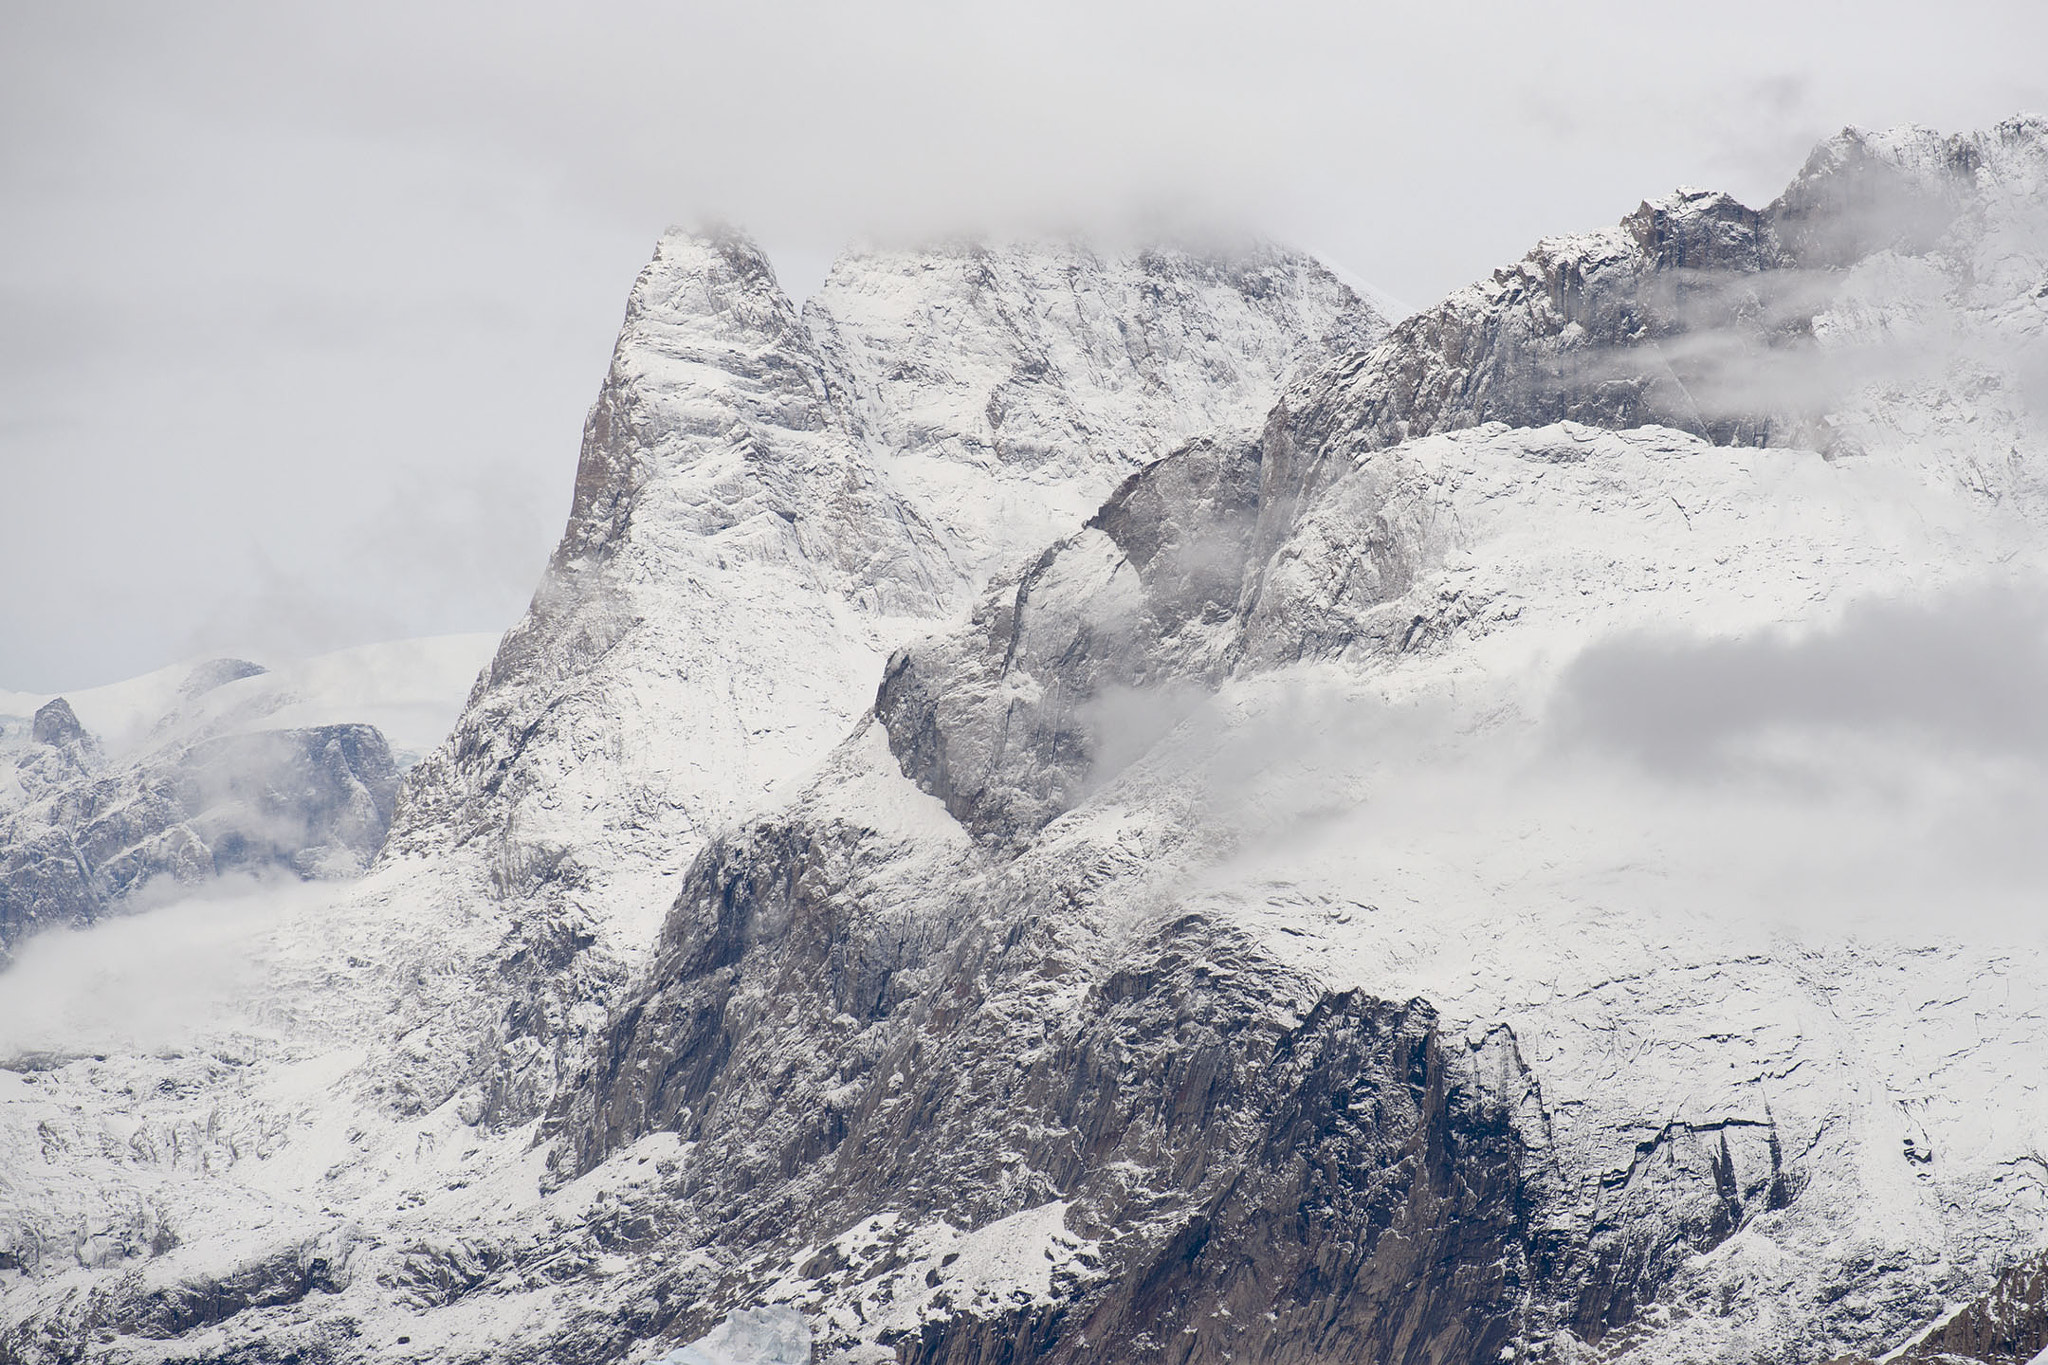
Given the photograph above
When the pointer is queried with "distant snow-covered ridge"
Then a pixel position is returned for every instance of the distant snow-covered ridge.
(411, 690)
(112, 795)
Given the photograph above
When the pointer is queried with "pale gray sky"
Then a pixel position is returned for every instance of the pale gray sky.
(300, 309)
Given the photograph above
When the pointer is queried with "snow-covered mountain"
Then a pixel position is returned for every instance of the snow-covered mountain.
(765, 507)
(1060, 806)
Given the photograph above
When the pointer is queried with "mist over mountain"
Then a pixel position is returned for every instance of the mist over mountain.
(1069, 800)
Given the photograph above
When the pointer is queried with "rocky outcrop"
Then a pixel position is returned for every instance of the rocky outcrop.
(1694, 312)
(2007, 1325)
(1861, 193)
(1258, 1171)
(1104, 645)
(1014, 720)
(1621, 328)
(56, 726)
(158, 1304)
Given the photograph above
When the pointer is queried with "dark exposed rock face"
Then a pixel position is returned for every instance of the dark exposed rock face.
(1342, 1191)
(2008, 1325)
(1267, 1173)
(57, 726)
(284, 1277)
(312, 802)
(1255, 1168)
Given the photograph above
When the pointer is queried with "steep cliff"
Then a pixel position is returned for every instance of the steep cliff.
(765, 505)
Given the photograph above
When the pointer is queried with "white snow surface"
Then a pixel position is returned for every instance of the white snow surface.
(920, 1274)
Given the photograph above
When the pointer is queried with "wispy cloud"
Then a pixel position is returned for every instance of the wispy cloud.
(1964, 671)
(264, 264)
(1886, 773)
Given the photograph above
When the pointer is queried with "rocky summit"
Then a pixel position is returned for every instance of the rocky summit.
(1065, 805)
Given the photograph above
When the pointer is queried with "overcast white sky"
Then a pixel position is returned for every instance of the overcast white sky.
(300, 308)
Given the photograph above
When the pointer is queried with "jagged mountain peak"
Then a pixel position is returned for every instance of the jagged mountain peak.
(932, 417)
(767, 504)
(1688, 228)
(57, 725)
(1739, 325)
(717, 279)
(1902, 189)
(1928, 156)
(707, 303)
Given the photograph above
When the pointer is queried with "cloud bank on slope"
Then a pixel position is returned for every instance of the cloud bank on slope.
(146, 984)
(1884, 775)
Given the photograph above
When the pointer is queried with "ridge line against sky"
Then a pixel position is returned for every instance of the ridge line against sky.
(303, 309)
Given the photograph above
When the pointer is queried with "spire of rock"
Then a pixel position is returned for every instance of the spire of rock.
(57, 725)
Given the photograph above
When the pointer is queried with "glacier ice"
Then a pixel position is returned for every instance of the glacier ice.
(749, 1336)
